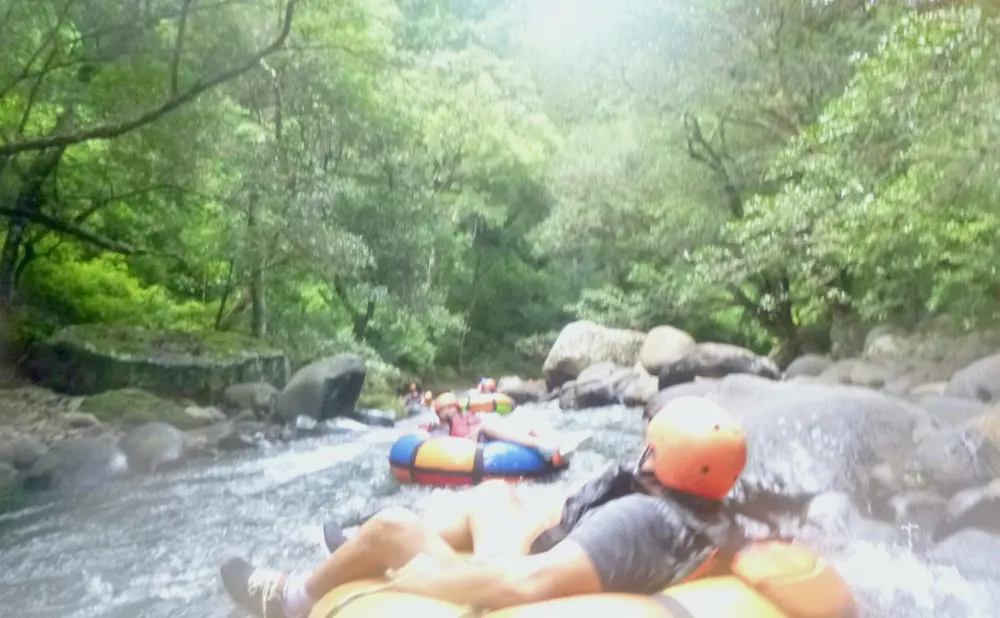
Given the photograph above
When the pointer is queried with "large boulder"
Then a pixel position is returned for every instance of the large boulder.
(947, 459)
(662, 346)
(324, 389)
(520, 390)
(806, 439)
(92, 358)
(584, 343)
(154, 447)
(601, 384)
(979, 380)
(715, 360)
(807, 365)
(78, 464)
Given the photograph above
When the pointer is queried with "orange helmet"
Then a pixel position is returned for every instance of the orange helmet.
(697, 447)
(444, 400)
(428, 397)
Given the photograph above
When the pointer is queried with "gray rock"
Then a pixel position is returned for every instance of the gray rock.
(90, 359)
(154, 447)
(326, 388)
(81, 419)
(807, 365)
(78, 463)
(20, 451)
(257, 396)
(205, 415)
(808, 439)
(715, 360)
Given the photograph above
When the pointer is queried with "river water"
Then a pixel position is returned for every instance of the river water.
(151, 547)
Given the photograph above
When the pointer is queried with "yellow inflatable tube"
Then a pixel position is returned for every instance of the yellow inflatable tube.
(770, 580)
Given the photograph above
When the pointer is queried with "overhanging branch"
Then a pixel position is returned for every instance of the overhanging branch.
(111, 130)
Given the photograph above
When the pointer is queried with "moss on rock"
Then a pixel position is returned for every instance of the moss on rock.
(93, 358)
(131, 407)
(162, 344)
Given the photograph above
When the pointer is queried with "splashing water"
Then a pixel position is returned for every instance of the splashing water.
(152, 546)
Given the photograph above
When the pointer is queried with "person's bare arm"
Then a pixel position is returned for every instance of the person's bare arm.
(498, 429)
(564, 571)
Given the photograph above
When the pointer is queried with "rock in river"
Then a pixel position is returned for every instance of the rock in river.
(89, 359)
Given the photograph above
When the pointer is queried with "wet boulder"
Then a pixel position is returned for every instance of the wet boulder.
(260, 397)
(951, 411)
(324, 389)
(78, 463)
(224, 437)
(923, 509)
(522, 391)
(715, 360)
(837, 515)
(946, 460)
(606, 384)
(975, 508)
(980, 380)
(584, 343)
(687, 389)
(807, 365)
(20, 451)
(973, 553)
(154, 447)
(662, 346)
(806, 439)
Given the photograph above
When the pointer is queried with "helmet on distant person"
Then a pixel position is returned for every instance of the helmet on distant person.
(696, 447)
(428, 398)
(445, 400)
(489, 385)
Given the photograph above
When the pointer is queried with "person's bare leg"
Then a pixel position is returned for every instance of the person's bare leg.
(388, 540)
(499, 524)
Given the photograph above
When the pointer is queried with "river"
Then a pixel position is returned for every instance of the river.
(151, 546)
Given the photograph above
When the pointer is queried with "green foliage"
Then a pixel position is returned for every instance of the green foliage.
(449, 182)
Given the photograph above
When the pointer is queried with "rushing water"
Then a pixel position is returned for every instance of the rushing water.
(152, 546)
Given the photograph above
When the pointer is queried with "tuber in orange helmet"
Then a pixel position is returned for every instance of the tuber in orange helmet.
(444, 400)
(696, 448)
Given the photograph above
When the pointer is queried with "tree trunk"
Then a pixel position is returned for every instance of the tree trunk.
(473, 288)
(226, 292)
(361, 320)
(30, 199)
(258, 306)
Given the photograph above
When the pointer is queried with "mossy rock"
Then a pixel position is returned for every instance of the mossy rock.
(90, 359)
(169, 345)
(131, 407)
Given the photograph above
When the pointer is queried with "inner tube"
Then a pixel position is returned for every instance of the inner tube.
(780, 580)
(487, 402)
(445, 460)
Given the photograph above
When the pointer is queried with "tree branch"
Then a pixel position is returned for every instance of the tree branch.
(91, 238)
(175, 59)
(111, 130)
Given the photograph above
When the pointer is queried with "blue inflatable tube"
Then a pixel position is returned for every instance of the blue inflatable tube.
(444, 460)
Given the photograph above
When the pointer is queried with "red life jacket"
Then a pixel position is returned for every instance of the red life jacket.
(463, 425)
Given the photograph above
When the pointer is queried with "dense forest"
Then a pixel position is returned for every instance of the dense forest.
(443, 184)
